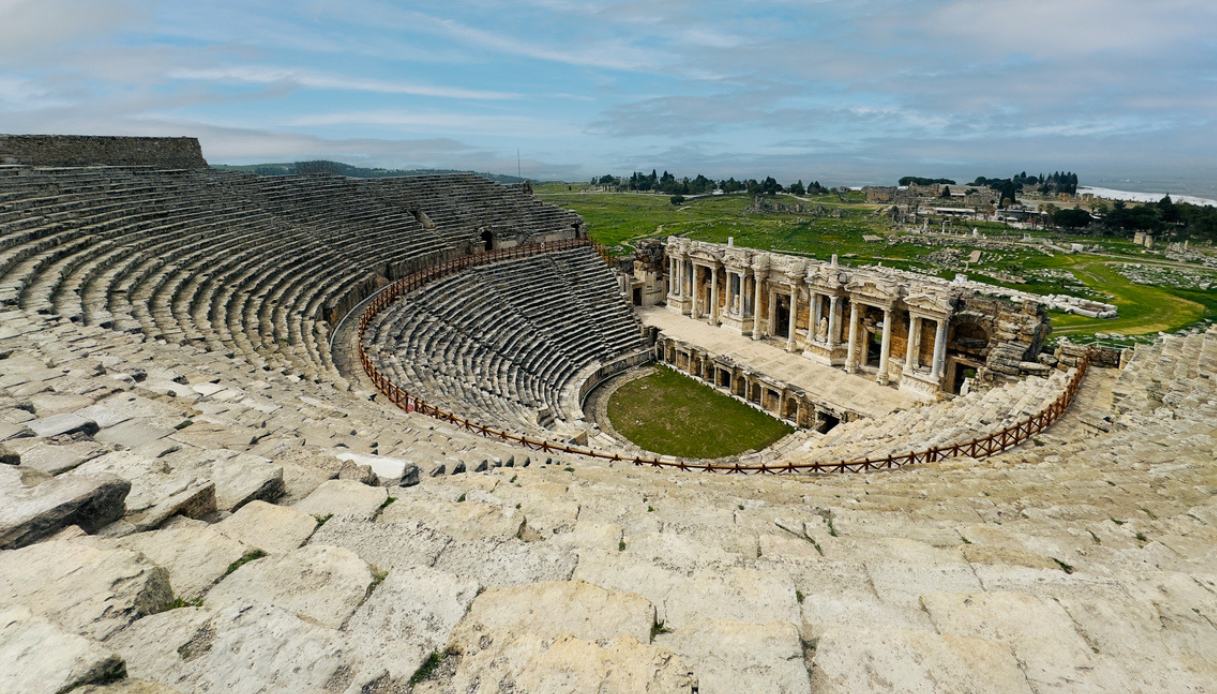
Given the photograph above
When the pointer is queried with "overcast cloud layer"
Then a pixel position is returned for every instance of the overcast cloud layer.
(862, 91)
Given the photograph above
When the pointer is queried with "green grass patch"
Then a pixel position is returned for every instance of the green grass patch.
(669, 413)
(245, 559)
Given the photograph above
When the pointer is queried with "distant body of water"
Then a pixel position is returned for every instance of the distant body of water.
(1149, 187)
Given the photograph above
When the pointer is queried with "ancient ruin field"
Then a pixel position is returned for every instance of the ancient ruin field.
(665, 412)
(619, 219)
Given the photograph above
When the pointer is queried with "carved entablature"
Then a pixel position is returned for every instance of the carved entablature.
(737, 259)
(826, 279)
(760, 263)
(930, 303)
(868, 290)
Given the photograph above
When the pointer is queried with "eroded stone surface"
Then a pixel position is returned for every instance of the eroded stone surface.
(30, 512)
(344, 498)
(319, 583)
(85, 589)
(38, 656)
(270, 528)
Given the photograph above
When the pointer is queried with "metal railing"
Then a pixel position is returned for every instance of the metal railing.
(403, 399)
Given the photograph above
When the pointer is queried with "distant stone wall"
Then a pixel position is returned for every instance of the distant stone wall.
(86, 150)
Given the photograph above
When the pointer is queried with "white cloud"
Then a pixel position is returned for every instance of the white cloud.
(1073, 28)
(438, 121)
(255, 74)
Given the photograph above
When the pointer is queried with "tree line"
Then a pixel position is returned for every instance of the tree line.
(1180, 220)
(701, 185)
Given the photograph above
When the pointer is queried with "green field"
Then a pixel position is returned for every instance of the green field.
(618, 219)
(669, 413)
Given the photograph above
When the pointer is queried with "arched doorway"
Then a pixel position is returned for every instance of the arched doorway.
(487, 239)
(967, 350)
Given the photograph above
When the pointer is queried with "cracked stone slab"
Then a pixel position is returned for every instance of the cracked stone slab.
(85, 589)
(38, 656)
(320, 583)
(30, 512)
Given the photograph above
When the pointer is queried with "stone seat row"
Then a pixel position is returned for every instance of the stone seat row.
(504, 341)
(1079, 563)
(975, 415)
(259, 266)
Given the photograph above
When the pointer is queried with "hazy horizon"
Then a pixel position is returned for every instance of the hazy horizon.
(847, 93)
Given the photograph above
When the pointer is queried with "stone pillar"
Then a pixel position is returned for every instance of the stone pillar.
(885, 347)
(851, 364)
(714, 294)
(834, 310)
(794, 312)
(813, 321)
(759, 280)
(912, 346)
(696, 293)
(940, 349)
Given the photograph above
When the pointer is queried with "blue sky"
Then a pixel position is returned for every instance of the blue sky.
(844, 91)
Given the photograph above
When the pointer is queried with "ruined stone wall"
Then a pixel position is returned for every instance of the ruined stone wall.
(87, 150)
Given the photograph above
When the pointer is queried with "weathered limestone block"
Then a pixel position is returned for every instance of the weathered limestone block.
(8, 456)
(889, 659)
(470, 520)
(85, 589)
(733, 657)
(159, 489)
(320, 583)
(30, 513)
(135, 433)
(504, 562)
(56, 458)
(528, 663)
(245, 478)
(390, 472)
(344, 498)
(559, 608)
(560, 636)
(1040, 632)
(38, 656)
(236, 649)
(195, 554)
(270, 528)
(357, 472)
(385, 545)
(59, 424)
(299, 481)
(408, 616)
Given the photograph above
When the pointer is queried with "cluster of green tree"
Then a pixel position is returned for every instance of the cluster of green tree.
(700, 185)
(1050, 184)
(339, 169)
(919, 181)
(1181, 220)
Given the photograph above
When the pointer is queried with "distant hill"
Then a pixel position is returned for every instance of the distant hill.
(340, 169)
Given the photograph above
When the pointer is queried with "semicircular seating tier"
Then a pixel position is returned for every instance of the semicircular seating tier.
(974, 415)
(508, 344)
(257, 266)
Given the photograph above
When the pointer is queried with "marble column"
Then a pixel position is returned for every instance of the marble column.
(756, 304)
(696, 294)
(940, 349)
(714, 294)
(886, 346)
(913, 345)
(794, 312)
(813, 322)
(851, 364)
(834, 309)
